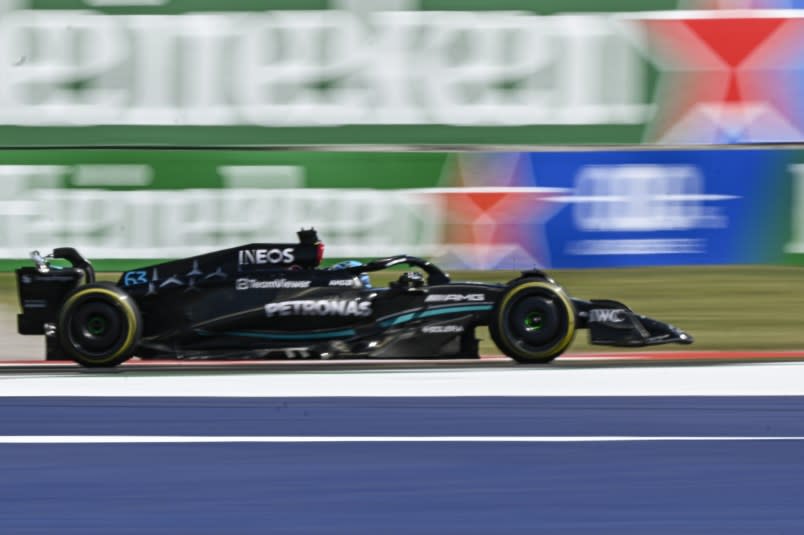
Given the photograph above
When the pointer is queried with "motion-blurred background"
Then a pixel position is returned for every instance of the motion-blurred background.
(574, 136)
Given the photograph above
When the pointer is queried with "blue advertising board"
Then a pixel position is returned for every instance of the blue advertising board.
(642, 207)
(651, 207)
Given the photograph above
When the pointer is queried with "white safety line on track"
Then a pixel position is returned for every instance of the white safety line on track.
(766, 379)
(178, 439)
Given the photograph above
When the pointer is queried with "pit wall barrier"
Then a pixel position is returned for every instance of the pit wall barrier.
(313, 72)
(469, 209)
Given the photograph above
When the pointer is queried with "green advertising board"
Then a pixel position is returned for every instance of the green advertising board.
(317, 72)
(791, 197)
(135, 204)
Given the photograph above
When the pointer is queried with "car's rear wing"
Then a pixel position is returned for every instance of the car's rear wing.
(43, 287)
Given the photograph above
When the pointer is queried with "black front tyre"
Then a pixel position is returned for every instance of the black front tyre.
(533, 322)
(99, 325)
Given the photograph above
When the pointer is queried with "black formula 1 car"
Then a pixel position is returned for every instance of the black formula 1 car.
(268, 300)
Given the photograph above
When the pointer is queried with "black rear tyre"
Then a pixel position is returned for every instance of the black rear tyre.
(533, 322)
(99, 325)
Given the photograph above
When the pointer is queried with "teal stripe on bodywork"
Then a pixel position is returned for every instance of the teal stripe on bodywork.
(397, 320)
(403, 318)
(345, 333)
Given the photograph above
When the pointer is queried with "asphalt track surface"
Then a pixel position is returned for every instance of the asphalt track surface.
(439, 447)
(602, 465)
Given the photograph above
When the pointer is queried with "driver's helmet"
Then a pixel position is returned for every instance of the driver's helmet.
(364, 278)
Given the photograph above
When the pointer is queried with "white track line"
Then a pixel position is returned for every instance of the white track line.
(766, 379)
(178, 439)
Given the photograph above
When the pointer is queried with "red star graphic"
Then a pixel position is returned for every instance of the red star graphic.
(494, 221)
(708, 64)
(485, 216)
(733, 40)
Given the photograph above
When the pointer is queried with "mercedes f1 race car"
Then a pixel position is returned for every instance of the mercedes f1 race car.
(268, 300)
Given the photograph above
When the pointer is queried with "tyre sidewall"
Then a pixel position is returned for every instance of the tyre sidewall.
(123, 317)
(552, 303)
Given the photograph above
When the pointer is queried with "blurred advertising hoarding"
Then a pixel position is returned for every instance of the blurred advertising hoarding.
(250, 72)
(484, 210)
